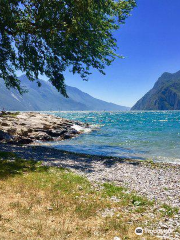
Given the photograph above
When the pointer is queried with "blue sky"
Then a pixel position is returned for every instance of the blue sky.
(150, 43)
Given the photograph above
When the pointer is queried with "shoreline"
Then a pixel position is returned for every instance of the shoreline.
(42, 128)
(96, 167)
(157, 182)
(151, 161)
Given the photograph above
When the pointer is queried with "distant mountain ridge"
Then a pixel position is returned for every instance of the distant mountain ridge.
(47, 98)
(165, 95)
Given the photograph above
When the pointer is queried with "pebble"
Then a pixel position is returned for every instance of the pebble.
(117, 238)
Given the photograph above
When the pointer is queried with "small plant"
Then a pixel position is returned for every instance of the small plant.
(150, 160)
(7, 155)
(112, 190)
(169, 211)
(177, 230)
(140, 201)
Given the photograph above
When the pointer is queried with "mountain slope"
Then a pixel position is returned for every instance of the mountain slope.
(46, 98)
(165, 95)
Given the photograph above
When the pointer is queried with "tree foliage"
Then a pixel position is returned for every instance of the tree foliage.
(50, 36)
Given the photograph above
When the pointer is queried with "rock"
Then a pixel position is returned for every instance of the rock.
(73, 132)
(24, 132)
(58, 139)
(29, 127)
(67, 136)
(25, 141)
(56, 133)
(5, 136)
(163, 226)
(47, 126)
(44, 137)
(4, 124)
(22, 123)
(50, 208)
(12, 131)
(117, 238)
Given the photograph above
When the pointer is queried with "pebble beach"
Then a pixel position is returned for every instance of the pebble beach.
(157, 181)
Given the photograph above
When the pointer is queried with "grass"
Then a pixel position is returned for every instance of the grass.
(130, 198)
(11, 165)
(37, 203)
(168, 211)
(11, 114)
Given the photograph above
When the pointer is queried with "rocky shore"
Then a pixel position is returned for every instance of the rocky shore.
(30, 127)
(158, 182)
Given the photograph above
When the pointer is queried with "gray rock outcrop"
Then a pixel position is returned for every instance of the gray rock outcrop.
(165, 95)
(28, 127)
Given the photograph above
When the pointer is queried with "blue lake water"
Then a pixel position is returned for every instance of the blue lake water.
(140, 135)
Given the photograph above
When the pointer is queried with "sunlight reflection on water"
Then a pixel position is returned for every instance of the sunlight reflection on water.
(145, 135)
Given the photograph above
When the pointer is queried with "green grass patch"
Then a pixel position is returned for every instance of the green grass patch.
(111, 190)
(11, 164)
(9, 114)
(169, 211)
(125, 198)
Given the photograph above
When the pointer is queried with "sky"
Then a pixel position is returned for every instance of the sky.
(150, 43)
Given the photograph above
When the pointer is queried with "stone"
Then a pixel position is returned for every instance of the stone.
(25, 141)
(67, 136)
(5, 136)
(5, 124)
(12, 131)
(117, 238)
(73, 132)
(163, 226)
(29, 127)
(47, 126)
(56, 133)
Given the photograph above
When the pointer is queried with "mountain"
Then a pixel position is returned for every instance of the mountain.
(165, 95)
(47, 98)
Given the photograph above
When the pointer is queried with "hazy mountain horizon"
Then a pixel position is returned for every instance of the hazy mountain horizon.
(47, 98)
